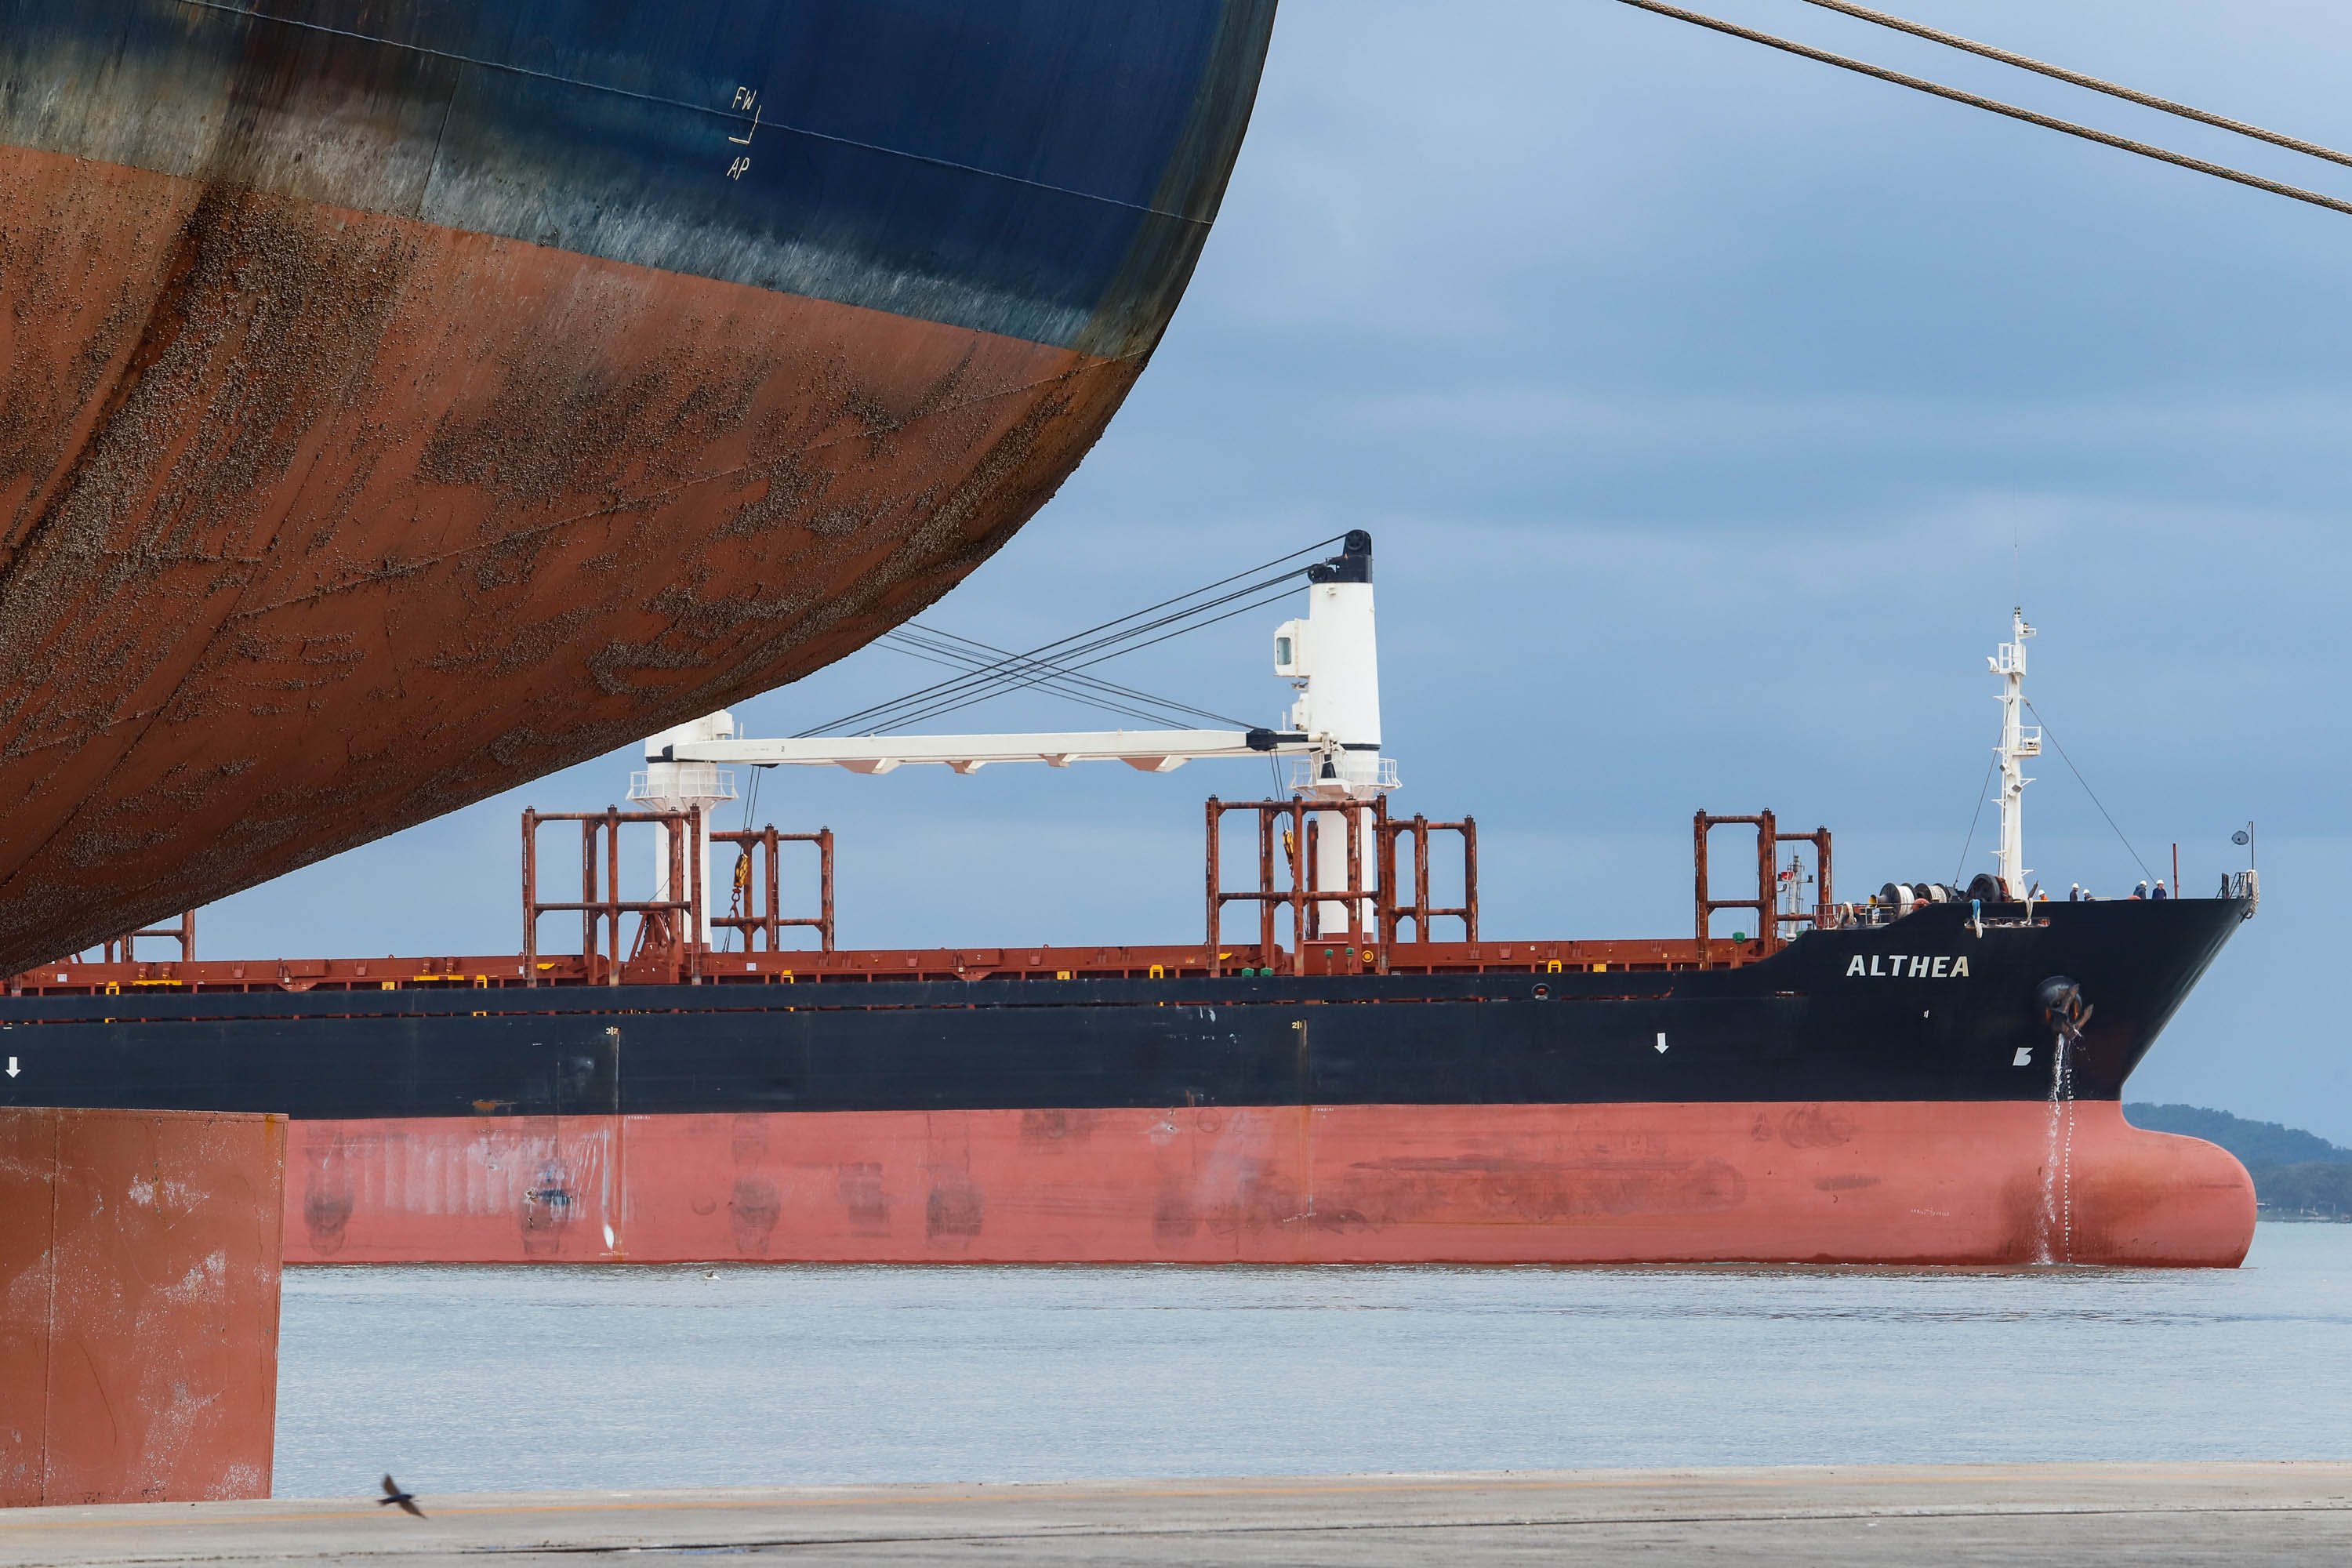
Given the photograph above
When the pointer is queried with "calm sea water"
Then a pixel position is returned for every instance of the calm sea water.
(493, 1378)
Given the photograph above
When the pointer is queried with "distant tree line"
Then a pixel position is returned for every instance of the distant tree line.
(2294, 1172)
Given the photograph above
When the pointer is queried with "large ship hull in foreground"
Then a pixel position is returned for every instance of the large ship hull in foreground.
(1895, 1094)
(405, 401)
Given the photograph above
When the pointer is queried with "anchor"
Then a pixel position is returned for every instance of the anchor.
(2063, 1007)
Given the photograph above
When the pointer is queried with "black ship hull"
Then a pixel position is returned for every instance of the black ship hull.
(1583, 1113)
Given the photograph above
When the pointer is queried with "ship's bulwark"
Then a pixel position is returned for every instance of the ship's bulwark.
(1849, 1182)
(391, 417)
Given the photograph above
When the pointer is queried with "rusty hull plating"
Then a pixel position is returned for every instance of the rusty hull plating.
(140, 1259)
(390, 417)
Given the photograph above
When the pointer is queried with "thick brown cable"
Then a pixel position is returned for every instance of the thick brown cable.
(1993, 105)
(2060, 73)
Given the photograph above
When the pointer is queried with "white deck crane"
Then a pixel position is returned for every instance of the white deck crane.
(1329, 656)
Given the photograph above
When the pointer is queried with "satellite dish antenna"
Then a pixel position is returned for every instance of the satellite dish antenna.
(2241, 838)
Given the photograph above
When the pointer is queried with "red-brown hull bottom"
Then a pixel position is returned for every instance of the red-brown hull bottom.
(1904, 1183)
(316, 524)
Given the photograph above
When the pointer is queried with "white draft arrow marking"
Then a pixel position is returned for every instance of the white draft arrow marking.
(1662, 1044)
(12, 1067)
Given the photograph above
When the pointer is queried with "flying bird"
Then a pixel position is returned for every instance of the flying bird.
(391, 1494)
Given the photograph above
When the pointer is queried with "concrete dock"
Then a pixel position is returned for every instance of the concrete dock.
(2079, 1514)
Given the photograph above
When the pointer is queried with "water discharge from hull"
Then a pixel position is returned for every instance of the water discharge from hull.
(2055, 1236)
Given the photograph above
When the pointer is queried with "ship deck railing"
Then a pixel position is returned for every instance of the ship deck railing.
(872, 965)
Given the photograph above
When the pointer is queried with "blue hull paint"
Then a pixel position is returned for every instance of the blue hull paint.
(1042, 169)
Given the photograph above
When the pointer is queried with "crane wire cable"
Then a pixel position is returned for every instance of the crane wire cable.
(1104, 706)
(958, 660)
(2053, 737)
(1005, 678)
(887, 713)
(1970, 842)
(1053, 681)
(1085, 690)
(1062, 643)
(2078, 79)
(1005, 684)
(970, 649)
(1992, 105)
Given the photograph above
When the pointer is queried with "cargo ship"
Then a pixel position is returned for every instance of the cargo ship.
(399, 402)
(1930, 1076)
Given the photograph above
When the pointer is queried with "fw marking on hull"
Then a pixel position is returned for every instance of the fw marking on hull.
(1918, 966)
(745, 97)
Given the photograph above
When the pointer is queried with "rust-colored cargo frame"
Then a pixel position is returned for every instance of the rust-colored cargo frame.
(1375, 915)
(1768, 840)
(771, 924)
(1285, 878)
(602, 914)
(124, 949)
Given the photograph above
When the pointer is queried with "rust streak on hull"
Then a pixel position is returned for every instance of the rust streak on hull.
(315, 523)
(1893, 1183)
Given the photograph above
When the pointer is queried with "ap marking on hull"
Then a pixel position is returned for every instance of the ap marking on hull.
(1918, 966)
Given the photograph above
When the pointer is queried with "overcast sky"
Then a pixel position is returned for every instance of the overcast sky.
(1709, 407)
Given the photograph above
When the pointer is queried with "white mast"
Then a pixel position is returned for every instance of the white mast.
(2018, 742)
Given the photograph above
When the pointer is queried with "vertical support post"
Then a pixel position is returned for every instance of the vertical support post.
(1385, 868)
(1314, 878)
(672, 921)
(1421, 880)
(1698, 872)
(825, 887)
(770, 892)
(1298, 885)
(613, 889)
(1266, 948)
(1470, 875)
(1214, 908)
(588, 896)
(695, 904)
(1768, 901)
(1822, 869)
(1354, 887)
(530, 896)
